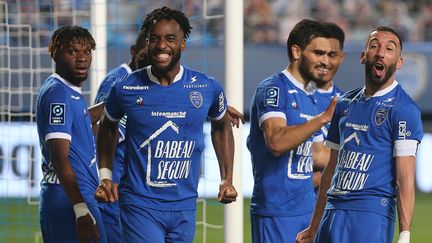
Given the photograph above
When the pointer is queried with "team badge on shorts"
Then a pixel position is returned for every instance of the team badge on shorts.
(196, 99)
(57, 113)
(271, 96)
(380, 116)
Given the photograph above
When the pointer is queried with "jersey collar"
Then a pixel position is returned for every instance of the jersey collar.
(381, 92)
(311, 88)
(70, 85)
(155, 80)
(127, 68)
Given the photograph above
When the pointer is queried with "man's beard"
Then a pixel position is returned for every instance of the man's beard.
(379, 81)
(169, 67)
(304, 67)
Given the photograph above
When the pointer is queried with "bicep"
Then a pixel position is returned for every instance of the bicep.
(59, 151)
(271, 127)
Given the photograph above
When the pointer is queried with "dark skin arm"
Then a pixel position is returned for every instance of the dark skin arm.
(86, 228)
(223, 144)
(106, 142)
(96, 112)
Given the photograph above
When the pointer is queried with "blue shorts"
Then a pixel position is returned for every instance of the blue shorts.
(57, 218)
(111, 219)
(354, 227)
(277, 229)
(146, 225)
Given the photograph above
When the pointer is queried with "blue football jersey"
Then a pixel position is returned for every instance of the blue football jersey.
(367, 132)
(282, 185)
(62, 113)
(323, 98)
(113, 76)
(164, 135)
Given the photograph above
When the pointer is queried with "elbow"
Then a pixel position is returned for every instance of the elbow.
(275, 148)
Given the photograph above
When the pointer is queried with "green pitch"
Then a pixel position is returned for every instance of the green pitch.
(19, 221)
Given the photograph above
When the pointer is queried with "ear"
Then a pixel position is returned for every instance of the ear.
(183, 44)
(132, 50)
(399, 63)
(363, 57)
(296, 51)
(342, 57)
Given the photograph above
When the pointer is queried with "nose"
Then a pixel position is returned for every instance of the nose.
(161, 44)
(82, 57)
(325, 60)
(380, 51)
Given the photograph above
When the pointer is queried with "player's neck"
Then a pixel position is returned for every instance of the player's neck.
(297, 75)
(324, 85)
(166, 78)
(371, 88)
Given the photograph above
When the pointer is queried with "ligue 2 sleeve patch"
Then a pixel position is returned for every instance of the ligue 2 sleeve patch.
(57, 113)
(271, 96)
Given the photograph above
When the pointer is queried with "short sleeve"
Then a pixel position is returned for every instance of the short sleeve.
(218, 106)
(407, 130)
(58, 114)
(113, 109)
(333, 135)
(270, 102)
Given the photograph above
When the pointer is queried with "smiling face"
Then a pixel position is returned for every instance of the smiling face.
(313, 60)
(335, 58)
(165, 44)
(381, 57)
(73, 61)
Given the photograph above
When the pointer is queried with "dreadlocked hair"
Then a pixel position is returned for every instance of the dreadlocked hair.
(67, 34)
(168, 14)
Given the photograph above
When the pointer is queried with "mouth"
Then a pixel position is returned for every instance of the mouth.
(379, 69)
(161, 57)
(323, 71)
(81, 70)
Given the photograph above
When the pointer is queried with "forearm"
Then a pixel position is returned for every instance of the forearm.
(223, 143)
(326, 178)
(281, 138)
(107, 139)
(68, 180)
(405, 171)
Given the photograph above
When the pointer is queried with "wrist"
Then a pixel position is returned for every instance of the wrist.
(81, 210)
(404, 237)
(105, 173)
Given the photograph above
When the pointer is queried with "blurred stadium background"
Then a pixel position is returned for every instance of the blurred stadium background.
(26, 27)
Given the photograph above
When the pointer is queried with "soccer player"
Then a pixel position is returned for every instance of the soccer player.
(284, 129)
(68, 209)
(110, 211)
(374, 135)
(166, 105)
(327, 90)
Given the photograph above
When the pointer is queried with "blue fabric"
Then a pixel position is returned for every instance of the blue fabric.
(343, 226)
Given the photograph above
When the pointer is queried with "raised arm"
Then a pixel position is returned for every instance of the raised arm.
(223, 143)
(86, 224)
(281, 138)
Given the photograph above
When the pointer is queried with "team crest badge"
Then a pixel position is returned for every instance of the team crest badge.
(380, 116)
(196, 99)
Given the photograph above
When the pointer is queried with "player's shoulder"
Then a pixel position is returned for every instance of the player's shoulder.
(350, 95)
(54, 84)
(337, 90)
(274, 80)
(403, 100)
(197, 76)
